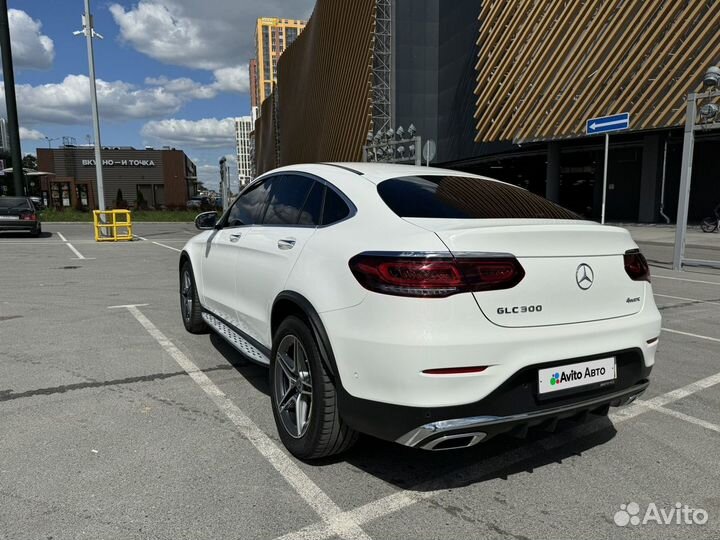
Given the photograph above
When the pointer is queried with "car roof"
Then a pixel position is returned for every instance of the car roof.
(377, 172)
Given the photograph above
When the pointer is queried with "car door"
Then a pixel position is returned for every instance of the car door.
(223, 251)
(272, 248)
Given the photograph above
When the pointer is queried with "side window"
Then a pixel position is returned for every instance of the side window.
(248, 208)
(287, 197)
(311, 213)
(335, 208)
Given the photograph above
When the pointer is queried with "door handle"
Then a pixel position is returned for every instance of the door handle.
(286, 243)
(235, 237)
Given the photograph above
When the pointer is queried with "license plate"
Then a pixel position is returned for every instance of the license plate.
(9, 218)
(570, 376)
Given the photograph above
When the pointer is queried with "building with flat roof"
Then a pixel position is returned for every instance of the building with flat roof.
(272, 37)
(165, 177)
(243, 128)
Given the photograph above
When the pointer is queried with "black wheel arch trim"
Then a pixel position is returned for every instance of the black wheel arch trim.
(317, 328)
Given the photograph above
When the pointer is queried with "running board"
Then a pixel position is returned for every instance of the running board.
(235, 339)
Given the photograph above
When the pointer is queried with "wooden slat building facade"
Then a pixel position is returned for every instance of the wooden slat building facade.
(545, 66)
(321, 108)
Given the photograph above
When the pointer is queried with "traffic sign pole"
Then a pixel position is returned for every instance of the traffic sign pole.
(605, 176)
(606, 125)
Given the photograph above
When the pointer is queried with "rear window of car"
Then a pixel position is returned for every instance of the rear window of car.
(15, 202)
(459, 197)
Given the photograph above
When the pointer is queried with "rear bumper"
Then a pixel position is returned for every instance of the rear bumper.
(20, 225)
(514, 406)
(464, 432)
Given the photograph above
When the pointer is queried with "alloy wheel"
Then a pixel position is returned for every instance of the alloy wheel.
(186, 295)
(293, 386)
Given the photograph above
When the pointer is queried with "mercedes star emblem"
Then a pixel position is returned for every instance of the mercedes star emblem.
(584, 276)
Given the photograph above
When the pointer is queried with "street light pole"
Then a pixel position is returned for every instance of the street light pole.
(685, 178)
(10, 102)
(89, 32)
(707, 118)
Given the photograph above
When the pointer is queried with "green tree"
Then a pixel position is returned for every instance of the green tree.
(30, 162)
(140, 203)
(119, 201)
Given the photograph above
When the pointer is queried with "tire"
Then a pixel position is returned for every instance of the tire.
(190, 308)
(295, 356)
(709, 225)
(36, 232)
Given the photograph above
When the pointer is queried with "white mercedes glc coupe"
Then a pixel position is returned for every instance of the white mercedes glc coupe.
(424, 306)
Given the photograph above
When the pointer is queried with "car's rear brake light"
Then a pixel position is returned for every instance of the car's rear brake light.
(431, 276)
(28, 217)
(455, 370)
(636, 266)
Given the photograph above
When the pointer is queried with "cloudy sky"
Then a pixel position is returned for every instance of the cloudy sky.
(170, 72)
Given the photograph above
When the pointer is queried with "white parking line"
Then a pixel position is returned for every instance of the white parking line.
(329, 512)
(690, 335)
(168, 247)
(680, 416)
(72, 248)
(159, 244)
(425, 490)
(687, 299)
(688, 280)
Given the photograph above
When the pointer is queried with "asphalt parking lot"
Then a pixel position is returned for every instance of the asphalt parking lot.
(116, 423)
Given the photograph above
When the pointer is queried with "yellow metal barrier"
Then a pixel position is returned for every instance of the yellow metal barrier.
(112, 225)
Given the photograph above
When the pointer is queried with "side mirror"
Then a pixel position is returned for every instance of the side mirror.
(206, 221)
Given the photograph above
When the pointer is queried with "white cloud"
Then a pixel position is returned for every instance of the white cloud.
(30, 134)
(31, 49)
(68, 102)
(183, 86)
(209, 175)
(229, 79)
(205, 133)
(188, 33)
(232, 79)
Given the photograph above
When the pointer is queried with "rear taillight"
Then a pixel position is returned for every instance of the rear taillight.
(636, 266)
(28, 217)
(431, 276)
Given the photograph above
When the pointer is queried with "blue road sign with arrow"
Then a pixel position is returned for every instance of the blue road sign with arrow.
(605, 124)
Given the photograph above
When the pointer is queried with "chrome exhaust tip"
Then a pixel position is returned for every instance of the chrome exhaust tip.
(454, 442)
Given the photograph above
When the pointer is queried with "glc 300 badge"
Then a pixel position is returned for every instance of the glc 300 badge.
(584, 276)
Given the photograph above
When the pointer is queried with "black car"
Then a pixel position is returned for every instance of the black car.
(19, 214)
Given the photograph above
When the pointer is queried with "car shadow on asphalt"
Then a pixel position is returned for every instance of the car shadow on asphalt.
(255, 374)
(500, 457)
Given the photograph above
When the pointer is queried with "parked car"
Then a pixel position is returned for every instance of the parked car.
(198, 203)
(37, 202)
(19, 214)
(424, 306)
